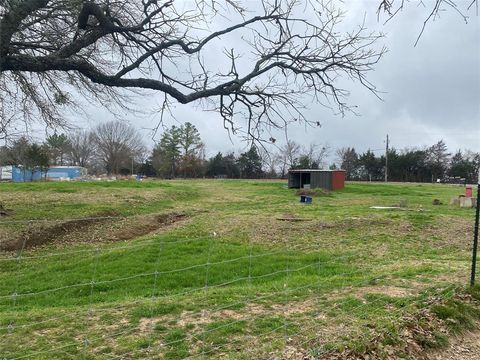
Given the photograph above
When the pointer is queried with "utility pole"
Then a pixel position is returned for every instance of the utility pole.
(475, 235)
(386, 161)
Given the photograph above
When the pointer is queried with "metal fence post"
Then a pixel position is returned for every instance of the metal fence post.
(475, 235)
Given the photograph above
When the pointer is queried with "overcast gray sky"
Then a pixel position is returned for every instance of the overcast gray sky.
(429, 92)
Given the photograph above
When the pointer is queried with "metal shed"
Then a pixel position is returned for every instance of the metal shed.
(313, 178)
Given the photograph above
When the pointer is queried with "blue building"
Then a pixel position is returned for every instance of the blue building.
(54, 173)
(20, 174)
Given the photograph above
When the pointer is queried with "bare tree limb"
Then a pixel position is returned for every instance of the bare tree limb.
(101, 48)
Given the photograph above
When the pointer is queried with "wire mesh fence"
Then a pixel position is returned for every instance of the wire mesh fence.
(193, 297)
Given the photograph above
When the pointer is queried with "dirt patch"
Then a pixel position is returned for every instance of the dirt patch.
(98, 228)
(391, 291)
(361, 292)
(292, 217)
(207, 316)
(313, 192)
(147, 225)
(4, 211)
(449, 231)
(38, 236)
(289, 229)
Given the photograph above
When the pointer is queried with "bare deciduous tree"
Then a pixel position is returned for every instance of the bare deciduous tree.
(434, 8)
(315, 154)
(117, 145)
(288, 155)
(80, 150)
(55, 51)
(270, 160)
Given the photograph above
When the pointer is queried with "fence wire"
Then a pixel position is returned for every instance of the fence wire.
(285, 276)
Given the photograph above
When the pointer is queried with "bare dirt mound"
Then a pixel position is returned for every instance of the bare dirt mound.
(98, 228)
(144, 226)
(36, 236)
(4, 211)
(313, 192)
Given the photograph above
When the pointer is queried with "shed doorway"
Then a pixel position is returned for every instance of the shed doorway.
(304, 180)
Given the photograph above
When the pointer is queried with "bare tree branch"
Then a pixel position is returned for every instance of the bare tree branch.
(53, 50)
(393, 7)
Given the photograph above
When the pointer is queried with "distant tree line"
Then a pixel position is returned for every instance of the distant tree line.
(116, 148)
(410, 165)
(181, 153)
(112, 148)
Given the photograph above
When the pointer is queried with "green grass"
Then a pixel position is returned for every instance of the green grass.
(231, 280)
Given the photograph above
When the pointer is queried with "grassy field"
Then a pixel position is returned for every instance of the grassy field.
(231, 269)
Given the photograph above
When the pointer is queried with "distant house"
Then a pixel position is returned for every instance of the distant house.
(313, 178)
(54, 173)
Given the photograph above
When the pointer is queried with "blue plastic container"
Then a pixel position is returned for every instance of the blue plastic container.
(306, 199)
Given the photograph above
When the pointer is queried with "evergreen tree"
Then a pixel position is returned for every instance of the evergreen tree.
(464, 166)
(438, 159)
(232, 168)
(192, 148)
(36, 159)
(30, 157)
(58, 146)
(348, 159)
(305, 162)
(250, 164)
(371, 166)
(17, 152)
(216, 166)
(166, 154)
